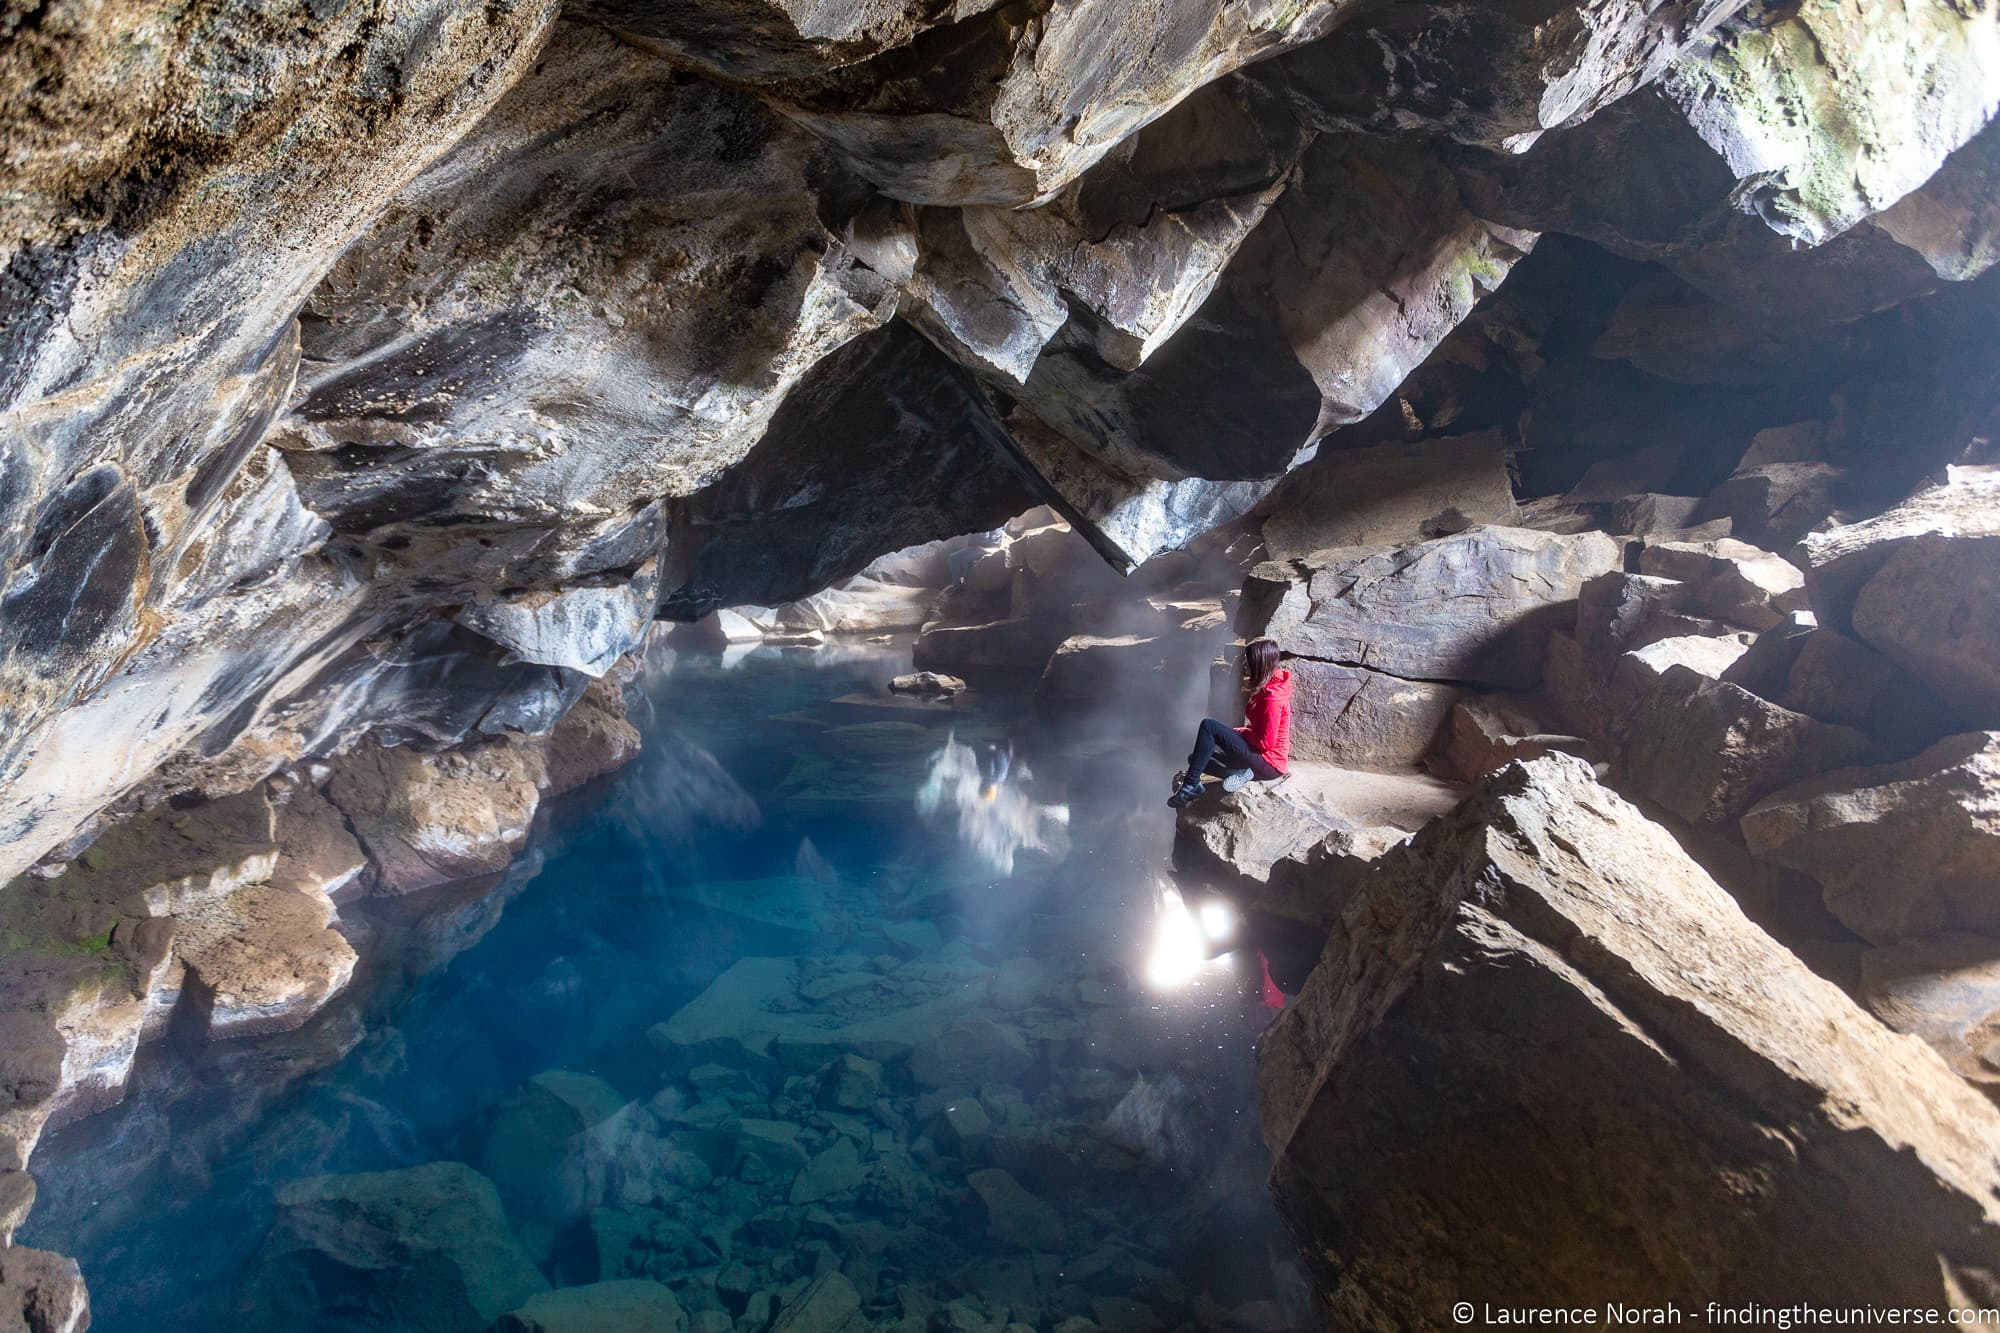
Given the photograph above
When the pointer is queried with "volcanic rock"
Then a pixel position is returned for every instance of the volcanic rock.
(430, 1242)
(1708, 750)
(1902, 850)
(41, 1292)
(1945, 989)
(1390, 493)
(1477, 606)
(1541, 1013)
(601, 1307)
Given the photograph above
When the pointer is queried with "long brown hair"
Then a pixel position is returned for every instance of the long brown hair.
(1260, 659)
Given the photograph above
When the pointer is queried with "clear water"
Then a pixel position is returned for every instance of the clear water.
(767, 819)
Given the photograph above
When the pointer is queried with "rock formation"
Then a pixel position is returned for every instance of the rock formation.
(1547, 1059)
(1611, 378)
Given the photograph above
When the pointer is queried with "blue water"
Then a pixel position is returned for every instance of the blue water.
(774, 814)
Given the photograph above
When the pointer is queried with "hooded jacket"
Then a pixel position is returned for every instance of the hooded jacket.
(1268, 720)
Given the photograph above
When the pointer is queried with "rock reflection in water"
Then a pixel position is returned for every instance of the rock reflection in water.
(988, 798)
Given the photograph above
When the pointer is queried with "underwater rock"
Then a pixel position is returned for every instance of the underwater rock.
(1015, 1216)
(829, 1305)
(555, 1148)
(430, 1243)
(1540, 1019)
(968, 1052)
(626, 1306)
(1902, 850)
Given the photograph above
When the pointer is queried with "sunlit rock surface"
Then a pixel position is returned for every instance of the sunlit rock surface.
(1541, 1011)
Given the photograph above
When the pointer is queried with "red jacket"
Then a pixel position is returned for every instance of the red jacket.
(1269, 717)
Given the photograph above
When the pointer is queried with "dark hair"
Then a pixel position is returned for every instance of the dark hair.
(1260, 658)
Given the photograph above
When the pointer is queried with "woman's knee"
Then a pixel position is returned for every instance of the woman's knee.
(1214, 727)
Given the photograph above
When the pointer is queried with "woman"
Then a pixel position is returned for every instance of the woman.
(1260, 750)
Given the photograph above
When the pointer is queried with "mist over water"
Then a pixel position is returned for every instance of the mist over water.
(785, 807)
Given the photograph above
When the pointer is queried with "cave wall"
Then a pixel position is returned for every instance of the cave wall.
(386, 368)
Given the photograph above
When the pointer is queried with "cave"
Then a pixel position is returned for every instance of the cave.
(601, 603)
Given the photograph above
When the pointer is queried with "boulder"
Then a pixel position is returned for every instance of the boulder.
(1014, 1216)
(1933, 613)
(594, 738)
(1836, 679)
(1486, 732)
(1635, 674)
(1766, 665)
(317, 853)
(1729, 579)
(1390, 493)
(1474, 607)
(554, 1148)
(1650, 514)
(1618, 612)
(1546, 1061)
(432, 818)
(626, 1306)
(1902, 850)
(430, 1243)
(1774, 504)
(829, 1304)
(1288, 849)
(927, 683)
(1708, 750)
(1351, 717)
(262, 960)
(41, 1292)
(1945, 989)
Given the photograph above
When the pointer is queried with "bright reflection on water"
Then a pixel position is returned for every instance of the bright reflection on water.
(752, 1020)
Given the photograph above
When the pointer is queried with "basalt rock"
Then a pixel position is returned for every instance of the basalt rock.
(1902, 850)
(429, 1242)
(1477, 606)
(1390, 493)
(1539, 1021)
(1708, 750)
(41, 1292)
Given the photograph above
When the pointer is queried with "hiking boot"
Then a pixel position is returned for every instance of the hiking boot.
(1238, 778)
(1186, 793)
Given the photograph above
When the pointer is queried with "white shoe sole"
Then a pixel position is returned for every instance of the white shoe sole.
(1238, 780)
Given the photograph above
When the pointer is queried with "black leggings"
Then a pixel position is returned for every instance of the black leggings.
(1219, 742)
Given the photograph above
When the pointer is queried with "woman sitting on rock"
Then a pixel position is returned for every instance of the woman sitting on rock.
(1259, 750)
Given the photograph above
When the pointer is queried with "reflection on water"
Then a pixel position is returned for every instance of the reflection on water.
(752, 1045)
(1187, 942)
(988, 798)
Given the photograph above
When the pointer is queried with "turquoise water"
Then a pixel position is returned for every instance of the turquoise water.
(803, 991)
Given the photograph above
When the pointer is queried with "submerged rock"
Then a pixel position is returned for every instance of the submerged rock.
(426, 1247)
(626, 1306)
(1540, 1021)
